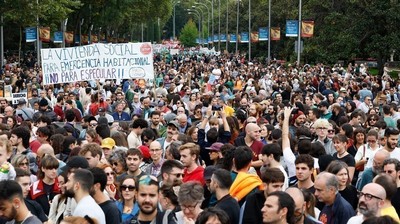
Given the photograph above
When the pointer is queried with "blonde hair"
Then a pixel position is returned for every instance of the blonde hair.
(321, 123)
(194, 149)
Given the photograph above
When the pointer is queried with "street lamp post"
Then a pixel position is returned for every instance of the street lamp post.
(269, 31)
(219, 25)
(173, 22)
(299, 36)
(202, 20)
(38, 36)
(237, 25)
(249, 30)
(208, 17)
(227, 24)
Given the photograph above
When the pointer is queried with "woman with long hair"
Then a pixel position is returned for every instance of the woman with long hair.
(44, 189)
(127, 204)
(192, 103)
(346, 190)
(365, 153)
(111, 188)
(120, 140)
(61, 206)
(340, 144)
(192, 133)
(92, 136)
(358, 141)
(197, 114)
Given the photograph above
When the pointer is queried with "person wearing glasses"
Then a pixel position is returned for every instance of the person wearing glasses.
(156, 152)
(321, 126)
(190, 198)
(336, 208)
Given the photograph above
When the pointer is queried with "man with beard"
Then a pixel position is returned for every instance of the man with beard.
(172, 173)
(172, 129)
(12, 205)
(392, 168)
(20, 141)
(250, 140)
(298, 120)
(371, 200)
(155, 123)
(377, 167)
(108, 206)
(300, 206)
(392, 137)
(78, 186)
(220, 183)
(147, 199)
(134, 158)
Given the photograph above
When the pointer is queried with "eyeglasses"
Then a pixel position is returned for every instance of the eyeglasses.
(129, 187)
(177, 174)
(146, 140)
(155, 150)
(115, 164)
(110, 174)
(24, 164)
(367, 196)
(191, 208)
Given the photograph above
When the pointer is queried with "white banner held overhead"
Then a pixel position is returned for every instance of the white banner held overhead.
(17, 96)
(97, 61)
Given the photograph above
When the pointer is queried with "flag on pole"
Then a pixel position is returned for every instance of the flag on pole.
(254, 37)
(44, 34)
(275, 33)
(69, 37)
(307, 28)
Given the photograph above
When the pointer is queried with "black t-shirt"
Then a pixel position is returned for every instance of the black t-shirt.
(348, 159)
(350, 194)
(111, 212)
(396, 201)
(230, 206)
(36, 209)
(252, 211)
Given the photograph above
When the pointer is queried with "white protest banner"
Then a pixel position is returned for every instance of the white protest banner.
(97, 61)
(17, 96)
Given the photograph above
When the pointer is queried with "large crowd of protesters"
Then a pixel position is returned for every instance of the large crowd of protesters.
(212, 139)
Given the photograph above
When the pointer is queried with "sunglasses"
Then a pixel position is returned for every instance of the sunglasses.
(129, 187)
(110, 174)
(93, 124)
(331, 131)
(24, 164)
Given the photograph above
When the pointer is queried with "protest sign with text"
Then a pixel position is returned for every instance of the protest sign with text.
(97, 61)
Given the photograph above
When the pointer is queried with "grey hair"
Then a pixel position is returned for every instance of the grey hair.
(191, 192)
(331, 180)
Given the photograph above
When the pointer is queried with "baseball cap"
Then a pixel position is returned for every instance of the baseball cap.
(108, 143)
(216, 146)
(174, 123)
(76, 162)
(343, 89)
(208, 172)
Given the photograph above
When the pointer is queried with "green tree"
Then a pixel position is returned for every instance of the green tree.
(189, 34)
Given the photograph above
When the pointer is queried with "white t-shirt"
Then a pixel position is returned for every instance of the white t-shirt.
(88, 206)
(358, 219)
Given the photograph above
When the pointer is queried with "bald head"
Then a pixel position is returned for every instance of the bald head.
(45, 149)
(297, 196)
(374, 189)
(380, 156)
(251, 127)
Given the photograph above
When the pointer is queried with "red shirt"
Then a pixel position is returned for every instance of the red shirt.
(195, 175)
(256, 147)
